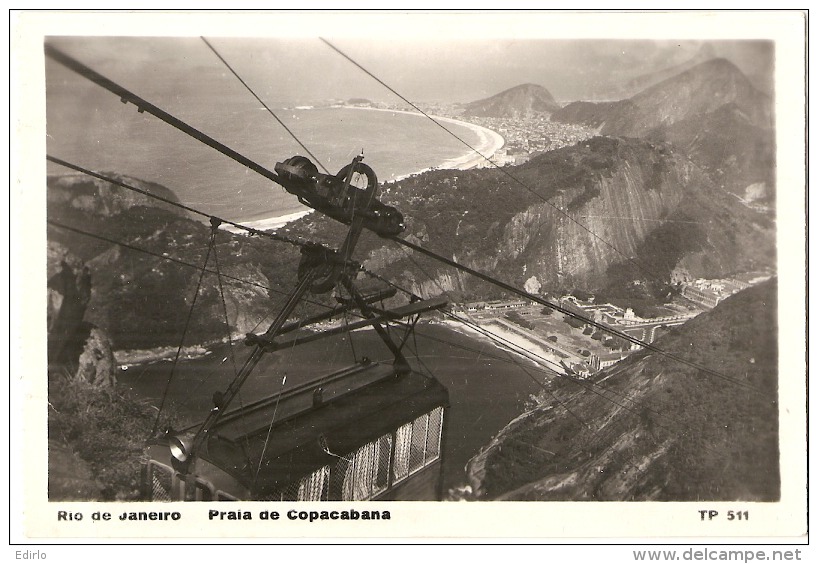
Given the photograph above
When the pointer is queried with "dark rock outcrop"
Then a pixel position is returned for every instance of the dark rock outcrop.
(96, 364)
(76, 348)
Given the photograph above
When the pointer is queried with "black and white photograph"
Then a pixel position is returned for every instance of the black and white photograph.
(292, 263)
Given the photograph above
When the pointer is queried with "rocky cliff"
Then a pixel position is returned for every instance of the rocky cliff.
(734, 151)
(607, 212)
(77, 350)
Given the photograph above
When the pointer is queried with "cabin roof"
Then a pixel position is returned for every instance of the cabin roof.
(359, 405)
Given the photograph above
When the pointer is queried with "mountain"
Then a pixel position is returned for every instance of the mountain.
(646, 80)
(651, 428)
(522, 100)
(605, 214)
(699, 90)
(712, 112)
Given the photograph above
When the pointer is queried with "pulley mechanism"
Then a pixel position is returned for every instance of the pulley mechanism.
(350, 194)
(349, 197)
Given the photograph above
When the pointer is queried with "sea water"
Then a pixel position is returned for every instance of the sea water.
(114, 137)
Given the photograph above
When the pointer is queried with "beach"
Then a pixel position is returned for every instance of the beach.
(268, 224)
(513, 342)
(489, 141)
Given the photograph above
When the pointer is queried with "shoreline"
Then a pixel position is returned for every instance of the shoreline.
(489, 143)
(268, 223)
(512, 342)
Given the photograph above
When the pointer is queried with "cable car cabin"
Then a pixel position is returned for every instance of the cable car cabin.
(363, 433)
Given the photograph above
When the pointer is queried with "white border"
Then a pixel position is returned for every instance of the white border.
(33, 515)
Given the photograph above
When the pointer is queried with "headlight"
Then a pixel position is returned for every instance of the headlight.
(181, 448)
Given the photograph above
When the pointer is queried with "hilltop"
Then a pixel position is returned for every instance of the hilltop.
(710, 111)
(80, 194)
(643, 81)
(653, 429)
(519, 101)
(701, 89)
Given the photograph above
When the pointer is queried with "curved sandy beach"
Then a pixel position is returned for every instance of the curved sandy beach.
(269, 223)
(489, 141)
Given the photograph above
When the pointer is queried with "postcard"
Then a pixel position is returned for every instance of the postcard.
(411, 276)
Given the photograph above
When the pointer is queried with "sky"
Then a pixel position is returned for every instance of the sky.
(306, 71)
(185, 77)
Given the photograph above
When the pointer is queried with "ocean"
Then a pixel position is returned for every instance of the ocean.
(114, 137)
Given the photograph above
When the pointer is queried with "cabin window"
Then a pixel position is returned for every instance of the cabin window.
(417, 444)
(434, 434)
(417, 451)
(358, 476)
(366, 472)
(314, 486)
(403, 441)
(167, 485)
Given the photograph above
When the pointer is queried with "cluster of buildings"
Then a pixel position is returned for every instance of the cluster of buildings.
(528, 136)
(584, 354)
(614, 315)
(708, 293)
(525, 136)
(496, 305)
(589, 352)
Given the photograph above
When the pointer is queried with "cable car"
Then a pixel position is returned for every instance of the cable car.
(372, 430)
(363, 433)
